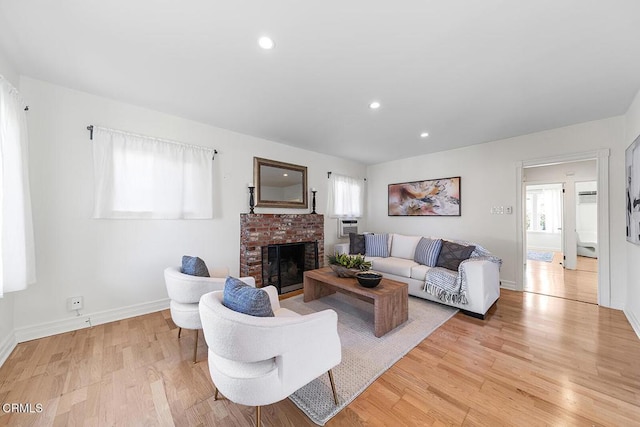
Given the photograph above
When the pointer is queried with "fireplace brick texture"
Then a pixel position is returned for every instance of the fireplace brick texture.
(258, 230)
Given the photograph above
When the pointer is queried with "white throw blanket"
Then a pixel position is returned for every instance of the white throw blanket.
(451, 286)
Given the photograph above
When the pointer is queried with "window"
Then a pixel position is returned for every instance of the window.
(346, 196)
(544, 208)
(143, 177)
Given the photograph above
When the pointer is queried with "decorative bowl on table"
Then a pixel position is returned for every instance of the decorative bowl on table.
(369, 279)
(342, 271)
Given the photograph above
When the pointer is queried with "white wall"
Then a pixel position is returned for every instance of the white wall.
(117, 265)
(586, 213)
(489, 179)
(632, 252)
(7, 340)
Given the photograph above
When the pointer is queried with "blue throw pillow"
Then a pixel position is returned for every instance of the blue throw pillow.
(427, 251)
(240, 297)
(194, 266)
(376, 245)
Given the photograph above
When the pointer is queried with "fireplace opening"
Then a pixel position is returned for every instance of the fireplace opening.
(283, 265)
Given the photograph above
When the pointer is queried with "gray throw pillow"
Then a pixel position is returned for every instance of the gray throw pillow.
(356, 244)
(194, 266)
(240, 297)
(452, 254)
(428, 251)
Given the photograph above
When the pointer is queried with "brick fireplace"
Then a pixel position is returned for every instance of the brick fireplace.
(258, 230)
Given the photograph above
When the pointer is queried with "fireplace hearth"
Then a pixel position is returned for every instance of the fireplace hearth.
(259, 231)
(283, 265)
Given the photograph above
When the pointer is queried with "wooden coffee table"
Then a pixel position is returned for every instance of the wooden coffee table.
(390, 298)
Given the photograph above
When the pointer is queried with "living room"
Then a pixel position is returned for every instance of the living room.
(117, 265)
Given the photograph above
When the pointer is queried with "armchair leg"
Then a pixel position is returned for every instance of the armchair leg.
(179, 332)
(215, 395)
(195, 348)
(258, 416)
(333, 387)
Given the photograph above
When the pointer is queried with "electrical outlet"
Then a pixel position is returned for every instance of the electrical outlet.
(74, 303)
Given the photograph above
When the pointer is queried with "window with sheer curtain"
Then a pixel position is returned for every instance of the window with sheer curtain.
(346, 196)
(544, 208)
(17, 253)
(143, 177)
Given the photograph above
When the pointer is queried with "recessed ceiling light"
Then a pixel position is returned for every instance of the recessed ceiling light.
(424, 134)
(285, 174)
(374, 105)
(266, 43)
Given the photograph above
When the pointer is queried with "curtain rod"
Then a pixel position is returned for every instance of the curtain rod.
(90, 129)
(329, 175)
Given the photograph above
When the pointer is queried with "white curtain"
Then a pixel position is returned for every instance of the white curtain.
(17, 253)
(346, 196)
(553, 208)
(143, 177)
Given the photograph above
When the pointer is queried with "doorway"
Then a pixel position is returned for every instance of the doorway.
(559, 242)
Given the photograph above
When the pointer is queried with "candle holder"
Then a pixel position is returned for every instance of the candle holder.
(313, 201)
(251, 200)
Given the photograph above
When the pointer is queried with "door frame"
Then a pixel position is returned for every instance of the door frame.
(602, 163)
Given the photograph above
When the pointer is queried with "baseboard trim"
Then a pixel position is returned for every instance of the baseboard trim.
(633, 320)
(508, 284)
(6, 347)
(41, 330)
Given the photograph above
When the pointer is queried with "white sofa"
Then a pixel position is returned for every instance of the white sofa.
(483, 277)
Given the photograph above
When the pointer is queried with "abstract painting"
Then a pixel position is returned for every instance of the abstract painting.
(433, 197)
(632, 163)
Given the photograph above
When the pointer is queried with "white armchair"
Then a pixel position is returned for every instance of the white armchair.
(258, 361)
(185, 291)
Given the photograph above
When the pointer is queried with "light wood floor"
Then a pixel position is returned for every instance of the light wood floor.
(549, 278)
(535, 361)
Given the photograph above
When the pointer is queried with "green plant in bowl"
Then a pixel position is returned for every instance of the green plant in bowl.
(350, 261)
(348, 265)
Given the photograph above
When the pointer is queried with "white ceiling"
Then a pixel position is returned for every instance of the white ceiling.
(465, 71)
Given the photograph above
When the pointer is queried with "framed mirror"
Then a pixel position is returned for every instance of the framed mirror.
(280, 185)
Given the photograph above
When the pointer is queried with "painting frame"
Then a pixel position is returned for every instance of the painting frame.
(428, 197)
(632, 183)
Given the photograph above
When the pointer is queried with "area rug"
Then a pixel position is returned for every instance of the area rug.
(364, 357)
(540, 256)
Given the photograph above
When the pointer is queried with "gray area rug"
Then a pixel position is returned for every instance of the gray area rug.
(540, 256)
(364, 357)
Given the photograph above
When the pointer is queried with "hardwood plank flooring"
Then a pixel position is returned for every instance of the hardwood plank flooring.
(550, 278)
(536, 360)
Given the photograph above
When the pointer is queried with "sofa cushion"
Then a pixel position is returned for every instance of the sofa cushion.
(404, 246)
(452, 254)
(428, 251)
(356, 244)
(376, 245)
(194, 266)
(398, 266)
(240, 297)
(419, 272)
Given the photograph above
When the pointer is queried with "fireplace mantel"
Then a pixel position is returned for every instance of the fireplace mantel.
(258, 230)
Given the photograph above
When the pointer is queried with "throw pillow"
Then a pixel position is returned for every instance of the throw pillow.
(428, 251)
(404, 246)
(452, 254)
(376, 245)
(356, 244)
(240, 297)
(194, 266)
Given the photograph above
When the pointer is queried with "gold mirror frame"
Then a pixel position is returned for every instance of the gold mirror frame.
(272, 184)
